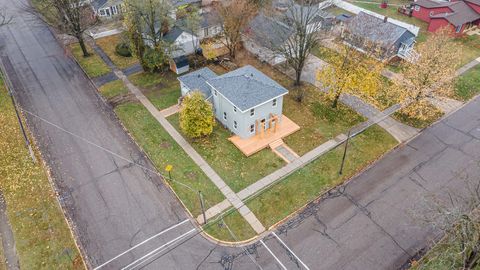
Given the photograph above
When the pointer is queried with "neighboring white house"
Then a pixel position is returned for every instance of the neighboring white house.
(183, 40)
(107, 8)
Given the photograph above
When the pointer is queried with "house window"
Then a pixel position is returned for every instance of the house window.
(205, 32)
(274, 103)
(102, 12)
(458, 29)
(417, 8)
(114, 10)
(215, 92)
(234, 109)
(252, 128)
(252, 112)
(225, 116)
(235, 125)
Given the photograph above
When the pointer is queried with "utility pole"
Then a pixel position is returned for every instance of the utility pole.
(9, 87)
(344, 154)
(202, 204)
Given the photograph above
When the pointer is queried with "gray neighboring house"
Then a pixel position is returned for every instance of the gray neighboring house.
(107, 8)
(265, 34)
(244, 100)
(394, 40)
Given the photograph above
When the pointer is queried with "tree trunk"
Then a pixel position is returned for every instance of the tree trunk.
(298, 76)
(335, 101)
(82, 45)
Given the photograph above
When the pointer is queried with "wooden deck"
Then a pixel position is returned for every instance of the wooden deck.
(256, 143)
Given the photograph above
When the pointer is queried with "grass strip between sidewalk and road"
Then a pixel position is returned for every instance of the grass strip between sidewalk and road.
(163, 151)
(93, 64)
(42, 237)
(306, 184)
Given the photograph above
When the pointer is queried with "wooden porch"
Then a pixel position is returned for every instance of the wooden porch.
(263, 139)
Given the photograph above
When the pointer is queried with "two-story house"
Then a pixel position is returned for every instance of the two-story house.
(245, 100)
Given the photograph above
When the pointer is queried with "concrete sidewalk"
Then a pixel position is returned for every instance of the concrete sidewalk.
(231, 197)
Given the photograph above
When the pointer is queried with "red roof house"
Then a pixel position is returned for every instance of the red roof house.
(458, 15)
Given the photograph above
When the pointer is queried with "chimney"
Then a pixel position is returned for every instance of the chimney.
(385, 19)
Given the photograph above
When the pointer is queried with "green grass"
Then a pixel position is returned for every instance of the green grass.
(162, 89)
(468, 85)
(469, 48)
(416, 122)
(318, 121)
(113, 89)
(43, 239)
(311, 181)
(237, 170)
(163, 150)
(241, 230)
(108, 45)
(324, 53)
(93, 64)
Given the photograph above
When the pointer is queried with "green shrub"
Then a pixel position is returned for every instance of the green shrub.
(123, 49)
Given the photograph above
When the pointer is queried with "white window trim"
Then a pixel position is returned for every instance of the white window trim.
(235, 125)
(225, 116)
(234, 109)
(417, 8)
(274, 102)
(252, 128)
(252, 112)
(215, 92)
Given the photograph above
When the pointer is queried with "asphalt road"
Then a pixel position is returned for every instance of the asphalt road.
(367, 224)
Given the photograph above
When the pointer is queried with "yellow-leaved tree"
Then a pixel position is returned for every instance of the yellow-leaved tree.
(432, 74)
(351, 72)
(196, 115)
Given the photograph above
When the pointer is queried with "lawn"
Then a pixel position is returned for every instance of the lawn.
(163, 151)
(241, 230)
(468, 85)
(93, 64)
(43, 238)
(162, 89)
(419, 123)
(311, 181)
(318, 121)
(326, 54)
(237, 170)
(113, 89)
(108, 45)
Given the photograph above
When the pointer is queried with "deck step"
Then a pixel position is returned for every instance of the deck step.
(276, 144)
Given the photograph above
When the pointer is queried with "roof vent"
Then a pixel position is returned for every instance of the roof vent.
(251, 74)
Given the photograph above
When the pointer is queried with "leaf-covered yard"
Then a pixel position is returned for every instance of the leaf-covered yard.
(43, 239)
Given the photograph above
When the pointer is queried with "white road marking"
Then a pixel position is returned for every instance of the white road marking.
(139, 244)
(285, 245)
(275, 257)
(152, 253)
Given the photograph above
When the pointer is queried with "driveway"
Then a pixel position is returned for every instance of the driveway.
(114, 205)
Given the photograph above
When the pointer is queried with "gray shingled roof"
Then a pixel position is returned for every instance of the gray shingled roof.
(247, 87)
(197, 80)
(209, 19)
(462, 13)
(268, 32)
(375, 29)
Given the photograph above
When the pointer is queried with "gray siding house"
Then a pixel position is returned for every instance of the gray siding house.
(246, 101)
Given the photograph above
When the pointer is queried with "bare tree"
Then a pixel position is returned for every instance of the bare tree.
(457, 217)
(235, 16)
(4, 17)
(153, 17)
(72, 17)
(304, 26)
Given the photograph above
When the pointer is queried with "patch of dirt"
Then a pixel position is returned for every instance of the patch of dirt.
(192, 175)
(165, 145)
(122, 99)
